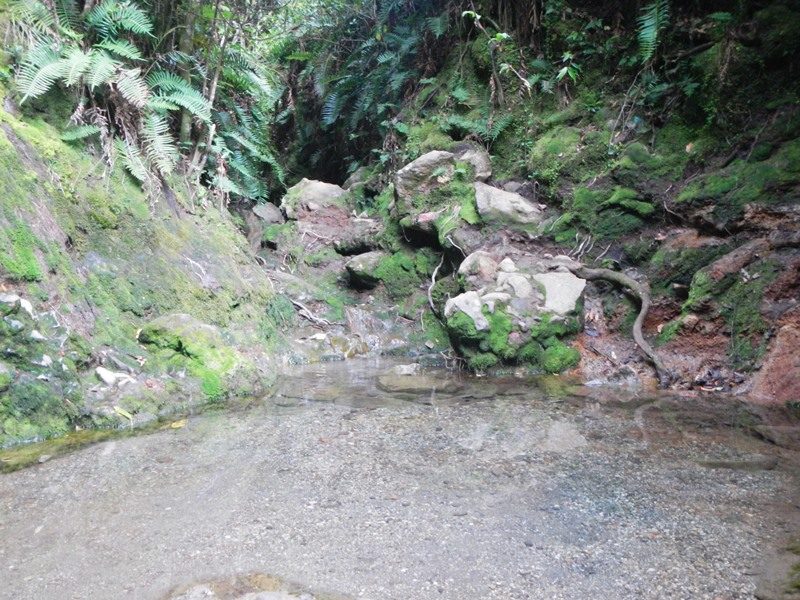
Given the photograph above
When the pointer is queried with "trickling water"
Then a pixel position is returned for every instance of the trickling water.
(353, 482)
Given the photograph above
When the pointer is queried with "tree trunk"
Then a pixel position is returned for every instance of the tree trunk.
(186, 46)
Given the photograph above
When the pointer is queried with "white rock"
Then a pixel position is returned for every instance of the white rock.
(562, 291)
(106, 376)
(13, 298)
(470, 304)
(37, 337)
(411, 369)
(45, 361)
(517, 282)
(495, 204)
(507, 266)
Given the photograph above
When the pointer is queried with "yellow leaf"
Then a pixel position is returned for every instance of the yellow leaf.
(179, 424)
(121, 411)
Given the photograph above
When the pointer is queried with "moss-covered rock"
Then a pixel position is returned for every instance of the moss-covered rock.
(719, 199)
(182, 340)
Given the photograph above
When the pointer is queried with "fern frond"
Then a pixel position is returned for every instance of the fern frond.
(159, 146)
(40, 71)
(79, 133)
(122, 48)
(161, 104)
(438, 26)
(69, 17)
(103, 68)
(34, 15)
(129, 17)
(651, 22)
(331, 108)
(133, 160)
(246, 143)
(175, 89)
(133, 88)
(76, 64)
(110, 17)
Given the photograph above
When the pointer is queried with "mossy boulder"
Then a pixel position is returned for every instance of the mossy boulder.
(506, 318)
(361, 270)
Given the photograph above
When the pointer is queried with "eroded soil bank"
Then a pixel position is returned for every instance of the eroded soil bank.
(502, 489)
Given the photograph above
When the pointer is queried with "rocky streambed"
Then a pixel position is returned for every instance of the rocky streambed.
(369, 479)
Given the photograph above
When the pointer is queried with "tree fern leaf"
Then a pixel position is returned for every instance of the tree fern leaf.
(129, 17)
(103, 68)
(438, 25)
(110, 17)
(133, 160)
(175, 89)
(652, 21)
(34, 14)
(69, 17)
(76, 64)
(42, 68)
(133, 88)
(161, 104)
(79, 133)
(122, 48)
(330, 110)
(159, 146)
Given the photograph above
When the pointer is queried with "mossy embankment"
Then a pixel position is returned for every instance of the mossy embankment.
(99, 262)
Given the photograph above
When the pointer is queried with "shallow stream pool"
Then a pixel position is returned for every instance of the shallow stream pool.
(348, 483)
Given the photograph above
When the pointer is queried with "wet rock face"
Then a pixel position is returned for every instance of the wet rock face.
(40, 394)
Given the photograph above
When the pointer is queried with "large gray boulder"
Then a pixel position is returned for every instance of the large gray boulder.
(361, 269)
(506, 208)
(479, 160)
(420, 176)
(310, 196)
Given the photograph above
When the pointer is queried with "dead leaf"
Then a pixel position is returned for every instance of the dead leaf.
(179, 424)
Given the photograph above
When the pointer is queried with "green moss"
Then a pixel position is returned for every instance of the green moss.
(629, 201)
(462, 329)
(679, 266)
(771, 181)
(482, 361)
(559, 357)
(604, 215)
(19, 259)
(737, 300)
(398, 274)
(500, 327)
(425, 137)
(197, 347)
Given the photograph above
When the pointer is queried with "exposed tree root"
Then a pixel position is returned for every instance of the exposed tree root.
(638, 290)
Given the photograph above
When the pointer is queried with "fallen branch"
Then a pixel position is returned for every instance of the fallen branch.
(304, 312)
(638, 290)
